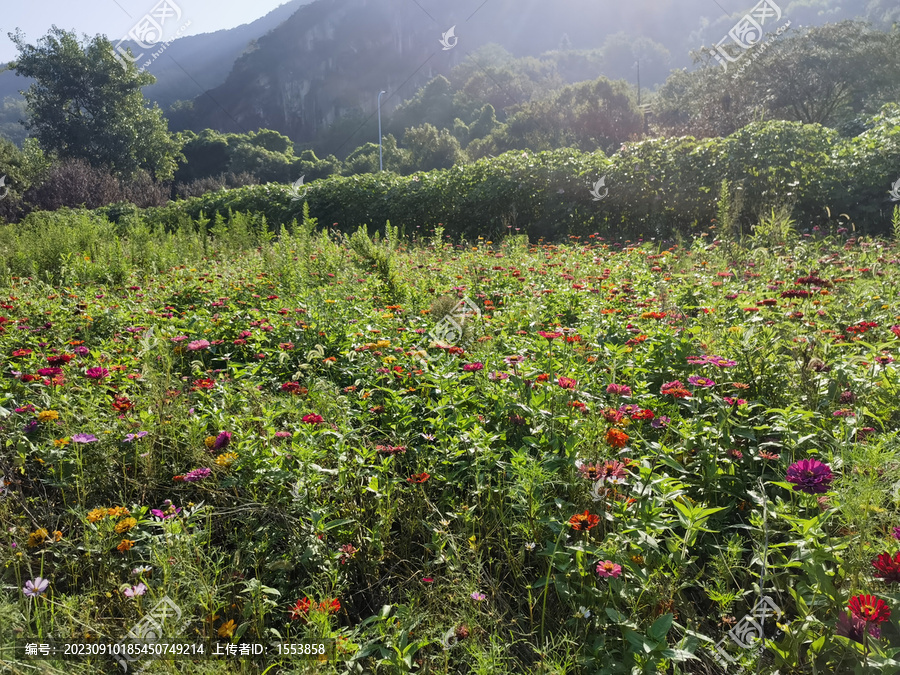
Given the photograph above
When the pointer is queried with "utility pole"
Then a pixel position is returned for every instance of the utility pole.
(380, 156)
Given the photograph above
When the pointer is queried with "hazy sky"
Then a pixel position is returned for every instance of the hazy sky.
(115, 18)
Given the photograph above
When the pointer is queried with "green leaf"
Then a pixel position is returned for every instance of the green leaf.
(661, 627)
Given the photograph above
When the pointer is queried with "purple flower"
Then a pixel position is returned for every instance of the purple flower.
(81, 350)
(661, 422)
(896, 533)
(135, 591)
(720, 362)
(167, 510)
(84, 438)
(698, 381)
(854, 628)
(222, 440)
(96, 373)
(494, 376)
(196, 474)
(35, 587)
(810, 476)
(31, 426)
(133, 437)
(478, 597)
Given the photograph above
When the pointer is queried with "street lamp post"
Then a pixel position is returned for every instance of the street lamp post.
(380, 156)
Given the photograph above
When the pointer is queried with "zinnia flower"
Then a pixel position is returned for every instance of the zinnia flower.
(419, 477)
(47, 416)
(698, 381)
(888, 567)
(608, 568)
(96, 373)
(566, 382)
(473, 367)
(313, 419)
(84, 438)
(222, 440)
(618, 389)
(869, 608)
(617, 438)
(196, 474)
(854, 628)
(584, 521)
(549, 336)
(810, 476)
(35, 587)
(197, 345)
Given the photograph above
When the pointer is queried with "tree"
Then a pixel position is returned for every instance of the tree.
(431, 148)
(86, 104)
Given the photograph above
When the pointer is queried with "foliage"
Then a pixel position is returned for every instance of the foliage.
(87, 105)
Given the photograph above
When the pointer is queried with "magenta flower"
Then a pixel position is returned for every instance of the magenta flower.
(168, 510)
(81, 350)
(473, 367)
(282, 434)
(478, 597)
(698, 381)
(222, 440)
(810, 476)
(197, 345)
(566, 382)
(196, 474)
(313, 419)
(84, 438)
(35, 587)
(96, 373)
(896, 533)
(618, 389)
(549, 336)
(608, 568)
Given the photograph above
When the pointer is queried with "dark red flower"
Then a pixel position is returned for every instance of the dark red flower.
(888, 567)
(869, 608)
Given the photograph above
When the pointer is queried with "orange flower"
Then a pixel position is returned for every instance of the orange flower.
(125, 545)
(227, 628)
(584, 521)
(125, 524)
(617, 438)
(117, 511)
(96, 514)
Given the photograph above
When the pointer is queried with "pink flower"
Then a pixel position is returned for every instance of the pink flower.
(548, 335)
(96, 373)
(567, 382)
(135, 591)
(618, 389)
(313, 419)
(197, 345)
(608, 568)
(473, 367)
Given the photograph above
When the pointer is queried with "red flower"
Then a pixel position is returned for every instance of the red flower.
(549, 336)
(869, 608)
(294, 388)
(584, 521)
(299, 609)
(312, 418)
(419, 477)
(122, 404)
(888, 567)
(204, 383)
(330, 606)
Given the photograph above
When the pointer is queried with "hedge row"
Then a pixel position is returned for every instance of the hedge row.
(658, 187)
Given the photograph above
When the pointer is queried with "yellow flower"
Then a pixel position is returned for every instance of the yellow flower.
(96, 514)
(125, 524)
(227, 628)
(117, 511)
(381, 344)
(226, 459)
(209, 441)
(47, 416)
(37, 537)
(389, 359)
(330, 302)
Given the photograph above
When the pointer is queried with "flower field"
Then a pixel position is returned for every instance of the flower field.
(627, 457)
